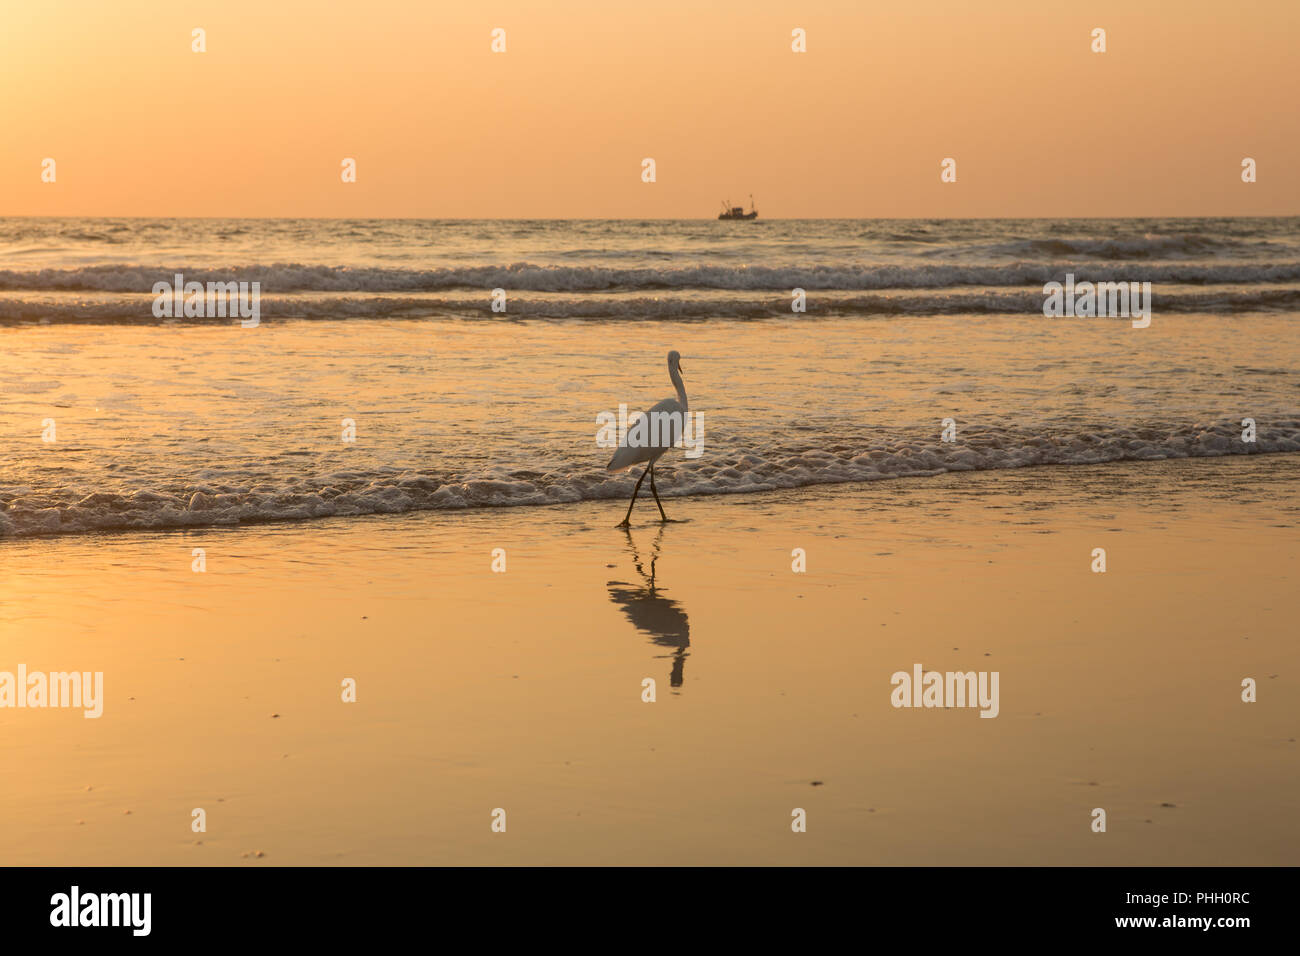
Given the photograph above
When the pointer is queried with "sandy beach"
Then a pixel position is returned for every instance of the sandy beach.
(522, 689)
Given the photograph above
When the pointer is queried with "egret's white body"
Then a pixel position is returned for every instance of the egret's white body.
(672, 412)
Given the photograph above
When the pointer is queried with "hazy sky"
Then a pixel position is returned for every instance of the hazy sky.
(557, 126)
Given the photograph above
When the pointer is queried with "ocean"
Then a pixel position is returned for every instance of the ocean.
(380, 378)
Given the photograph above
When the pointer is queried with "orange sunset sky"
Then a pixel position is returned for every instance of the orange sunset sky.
(558, 125)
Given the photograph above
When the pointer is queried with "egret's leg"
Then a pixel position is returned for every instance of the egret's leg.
(628, 518)
(654, 491)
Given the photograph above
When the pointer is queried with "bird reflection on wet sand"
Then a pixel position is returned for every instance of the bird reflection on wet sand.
(650, 612)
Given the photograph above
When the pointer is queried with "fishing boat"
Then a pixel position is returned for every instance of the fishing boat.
(738, 212)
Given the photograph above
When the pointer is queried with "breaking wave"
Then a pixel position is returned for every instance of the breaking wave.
(526, 277)
(138, 310)
(211, 501)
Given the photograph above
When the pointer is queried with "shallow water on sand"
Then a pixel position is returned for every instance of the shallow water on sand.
(522, 690)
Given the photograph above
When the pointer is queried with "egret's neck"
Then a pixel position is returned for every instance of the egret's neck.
(676, 376)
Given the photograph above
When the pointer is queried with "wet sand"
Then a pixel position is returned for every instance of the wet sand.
(522, 690)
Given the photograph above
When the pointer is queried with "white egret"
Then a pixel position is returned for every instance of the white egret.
(653, 434)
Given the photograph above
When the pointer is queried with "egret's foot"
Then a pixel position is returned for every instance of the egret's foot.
(624, 524)
(673, 520)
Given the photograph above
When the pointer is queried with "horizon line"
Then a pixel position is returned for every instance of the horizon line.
(1292, 215)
